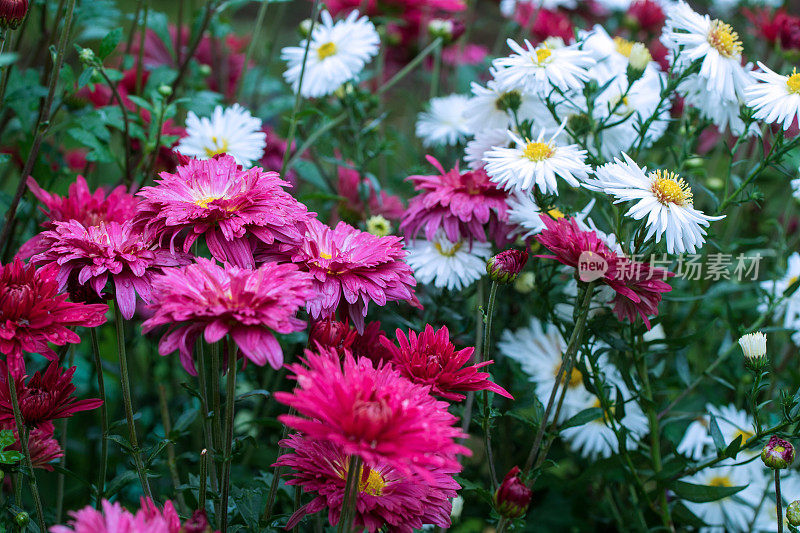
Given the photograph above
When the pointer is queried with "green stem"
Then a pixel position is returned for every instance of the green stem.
(410, 66)
(572, 349)
(230, 400)
(262, 11)
(486, 425)
(778, 502)
(172, 463)
(201, 498)
(126, 398)
(101, 387)
(22, 431)
(298, 98)
(348, 514)
(202, 382)
(437, 70)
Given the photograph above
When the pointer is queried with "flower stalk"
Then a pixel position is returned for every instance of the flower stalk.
(230, 400)
(101, 387)
(348, 515)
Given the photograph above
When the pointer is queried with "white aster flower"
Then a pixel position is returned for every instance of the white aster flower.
(754, 345)
(447, 264)
(491, 108)
(661, 196)
(538, 69)
(526, 215)
(538, 350)
(723, 114)
(788, 311)
(733, 513)
(338, 53)
(484, 140)
(536, 163)
(691, 36)
(776, 98)
(509, 7)
(697, 439)
(233, 131)
(445, 122)
(795, 184)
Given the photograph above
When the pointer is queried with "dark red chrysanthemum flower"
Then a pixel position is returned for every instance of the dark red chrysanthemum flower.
(374, 413)
(43, 397)
(643, 287)
(32, 313)
(386, 497)
(43, 447)
(431, 359)
(467, 205)
(648, 15)
(331, 333)
(12, 13)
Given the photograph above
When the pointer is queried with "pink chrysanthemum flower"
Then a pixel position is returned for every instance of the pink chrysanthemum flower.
(113, 518)
(386, 497)
(373, 413)
(638, 285)
(43, 397)
(94, 255)
(431, 359)
(465, 204)
(340, 336)
(88, 208)
(247, 304)
(43, 447)
(226, 204)
(32, 313)
(352, 268)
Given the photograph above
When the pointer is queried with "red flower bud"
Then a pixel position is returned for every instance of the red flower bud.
(505, 266)
(778, 453)
(647, 14)
(12, 13)
(331, 333)
(512, 497)
(198, 523)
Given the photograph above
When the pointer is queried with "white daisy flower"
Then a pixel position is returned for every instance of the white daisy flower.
(538, 69)
(612, 54)
(734, 513)
(538, 349)
(509, 7)
(233, 131)
(526, 215)
(597, 439)
(447, 264)
(795, 184)
(484, 140)
(445, 122)
(338, 53)
(697, 439)
(491, 108)
(777, 98)
(697, 442)
(536, 163)
(723, 114)
(691, 36)
(661, 196)
(788, 309)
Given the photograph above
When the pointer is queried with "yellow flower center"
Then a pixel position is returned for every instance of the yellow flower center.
(575, 377)
(543, 54)
(372, 485)
(745, 435)
(536, 151)
(448, 251)
(555, 213)
(219, 146)
(793, 82)
(726, 41)
(205, 200)
(669, 188)
(623, 46)
(720, 481)
(325, 255)
(326, 50)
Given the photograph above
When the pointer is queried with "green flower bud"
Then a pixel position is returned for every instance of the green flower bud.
(22, 518)
(793, 513)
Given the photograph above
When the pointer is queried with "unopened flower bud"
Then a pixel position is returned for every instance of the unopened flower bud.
(164, 90)
(12, 13)
(509, 101)
(456, 508)
(525, 283)
(447, 29)
(754, 347)
(86, 55)
(505, 266)
(512, 497)
(793, 513)
(778, 453)
(22, 518)
(379, 226)
(205, 70)
(198, 523)
(640, 56)
(579, 124)
(304, 28)
(331, 333)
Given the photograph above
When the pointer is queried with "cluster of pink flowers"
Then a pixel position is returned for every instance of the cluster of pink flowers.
(113, 518)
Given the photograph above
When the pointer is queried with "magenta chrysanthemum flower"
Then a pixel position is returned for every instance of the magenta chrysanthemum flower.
(88, 208)
(43, 447)
(373, 413)
(431, 359)
(247, 304)
(638, 285)
(94, 255)
(233, 208)
(32, 313)
(113, 518)
(386, 496)
(340, 336)
(43, 397)
(465, 204)
(352, 268)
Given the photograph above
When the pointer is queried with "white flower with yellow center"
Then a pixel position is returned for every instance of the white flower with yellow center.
(691, 36)
(447, 264)
(337, 53)
(445, 121)
(733, 423)
(788, 310)
(537, 69)
(536, 163)
(233, 131)
(484, 140)
(725, 115)
(663, 197)
(733, 513)
(775, 98)
(509, 7)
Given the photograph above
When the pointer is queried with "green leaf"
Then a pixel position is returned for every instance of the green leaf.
(8, 457)
(716, 434)
(584, 417)
(109, 43)
(703, 493)
(734, 447)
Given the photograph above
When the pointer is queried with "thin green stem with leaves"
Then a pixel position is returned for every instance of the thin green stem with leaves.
(101, 388)
(230, 400)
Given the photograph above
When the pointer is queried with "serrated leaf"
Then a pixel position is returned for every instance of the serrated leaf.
(703, 493)
(583, 417)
